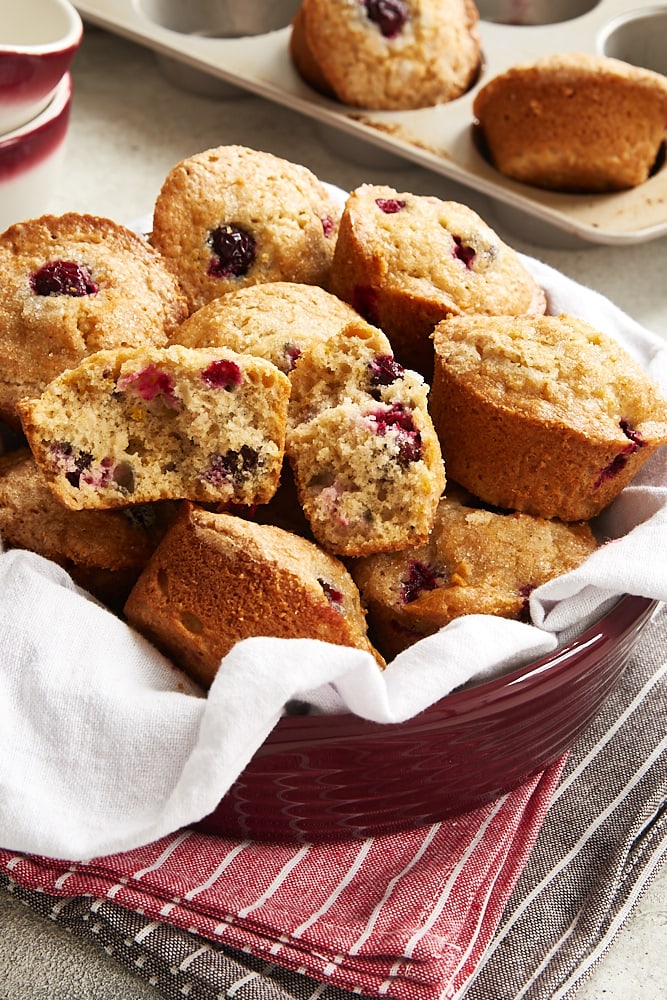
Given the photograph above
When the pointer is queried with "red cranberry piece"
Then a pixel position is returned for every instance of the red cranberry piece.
(248, 511)
(390, 206)
(399, 421)
(385, 369)
(525, 592)
(63, 277)
(234, 251)
(73, 461)
(233, 465)
(292, 355)
(632, 434)
(148, 383)
(618, 463)
(463, 252)
(100, 475)
(222, 374)
(389, 15)
(327, 226)
(420, 577)
(332, 594)
(610, 471)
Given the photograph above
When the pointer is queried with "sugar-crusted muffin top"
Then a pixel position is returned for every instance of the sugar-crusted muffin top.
(74, 284)
(555, 368)
(570, 67)
(440, 250)
(476, 561)
(392, 54)
(233, 216)
(274, 319)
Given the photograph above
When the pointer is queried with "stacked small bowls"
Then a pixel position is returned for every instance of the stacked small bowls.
(38, 40)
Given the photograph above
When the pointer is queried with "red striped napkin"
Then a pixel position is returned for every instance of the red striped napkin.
(407, 915)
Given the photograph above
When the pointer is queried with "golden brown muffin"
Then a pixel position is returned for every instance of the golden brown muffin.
(141, 424)
(72, 285)
(216, 579)
(103, 551)
(233, 216)
(476, 561)
(406, 262)
(274, 320)
(545, 415)
(387, 54)
(574, 122)
(365, 456)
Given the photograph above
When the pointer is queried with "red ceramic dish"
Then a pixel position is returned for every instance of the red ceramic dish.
(341, 777)
(37, 44)
(30, 158)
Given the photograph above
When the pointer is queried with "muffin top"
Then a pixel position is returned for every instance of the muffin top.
(276, 320)
(74, 284)
(574, 122)
(389, 55)
(553, 368)
(233, 216)
(438, 250)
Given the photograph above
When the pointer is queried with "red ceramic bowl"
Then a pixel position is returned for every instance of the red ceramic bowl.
(341, 777)
(38, 39)
(30, 159)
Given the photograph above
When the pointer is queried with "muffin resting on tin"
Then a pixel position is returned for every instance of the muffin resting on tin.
(574, 122)
(387, 54)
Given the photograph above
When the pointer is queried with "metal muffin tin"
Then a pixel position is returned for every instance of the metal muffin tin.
(246, 46)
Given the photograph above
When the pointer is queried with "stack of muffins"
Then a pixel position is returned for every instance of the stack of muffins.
(284, 415)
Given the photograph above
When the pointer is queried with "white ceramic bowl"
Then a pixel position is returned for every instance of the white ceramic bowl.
(38, 39)
(30, 157)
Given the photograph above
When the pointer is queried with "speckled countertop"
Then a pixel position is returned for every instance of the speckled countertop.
(130, 125)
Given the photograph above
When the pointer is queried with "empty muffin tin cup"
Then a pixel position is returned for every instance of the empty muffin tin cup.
(527, 12)
(213, 19)
(198, 81)
(220, 18)
(359, 151)
(638, 37)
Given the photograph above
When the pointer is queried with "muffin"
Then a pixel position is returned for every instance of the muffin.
(232, 216)
(405, 262)
(72, 285)
(135, 425)
(104, 551)
(366, 461)
(274, 320)
(476, 561)
(216, 579)
(574, 122)
(387, 54)
(545, 415)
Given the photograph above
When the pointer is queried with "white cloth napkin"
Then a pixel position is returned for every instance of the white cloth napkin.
(104, 746)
